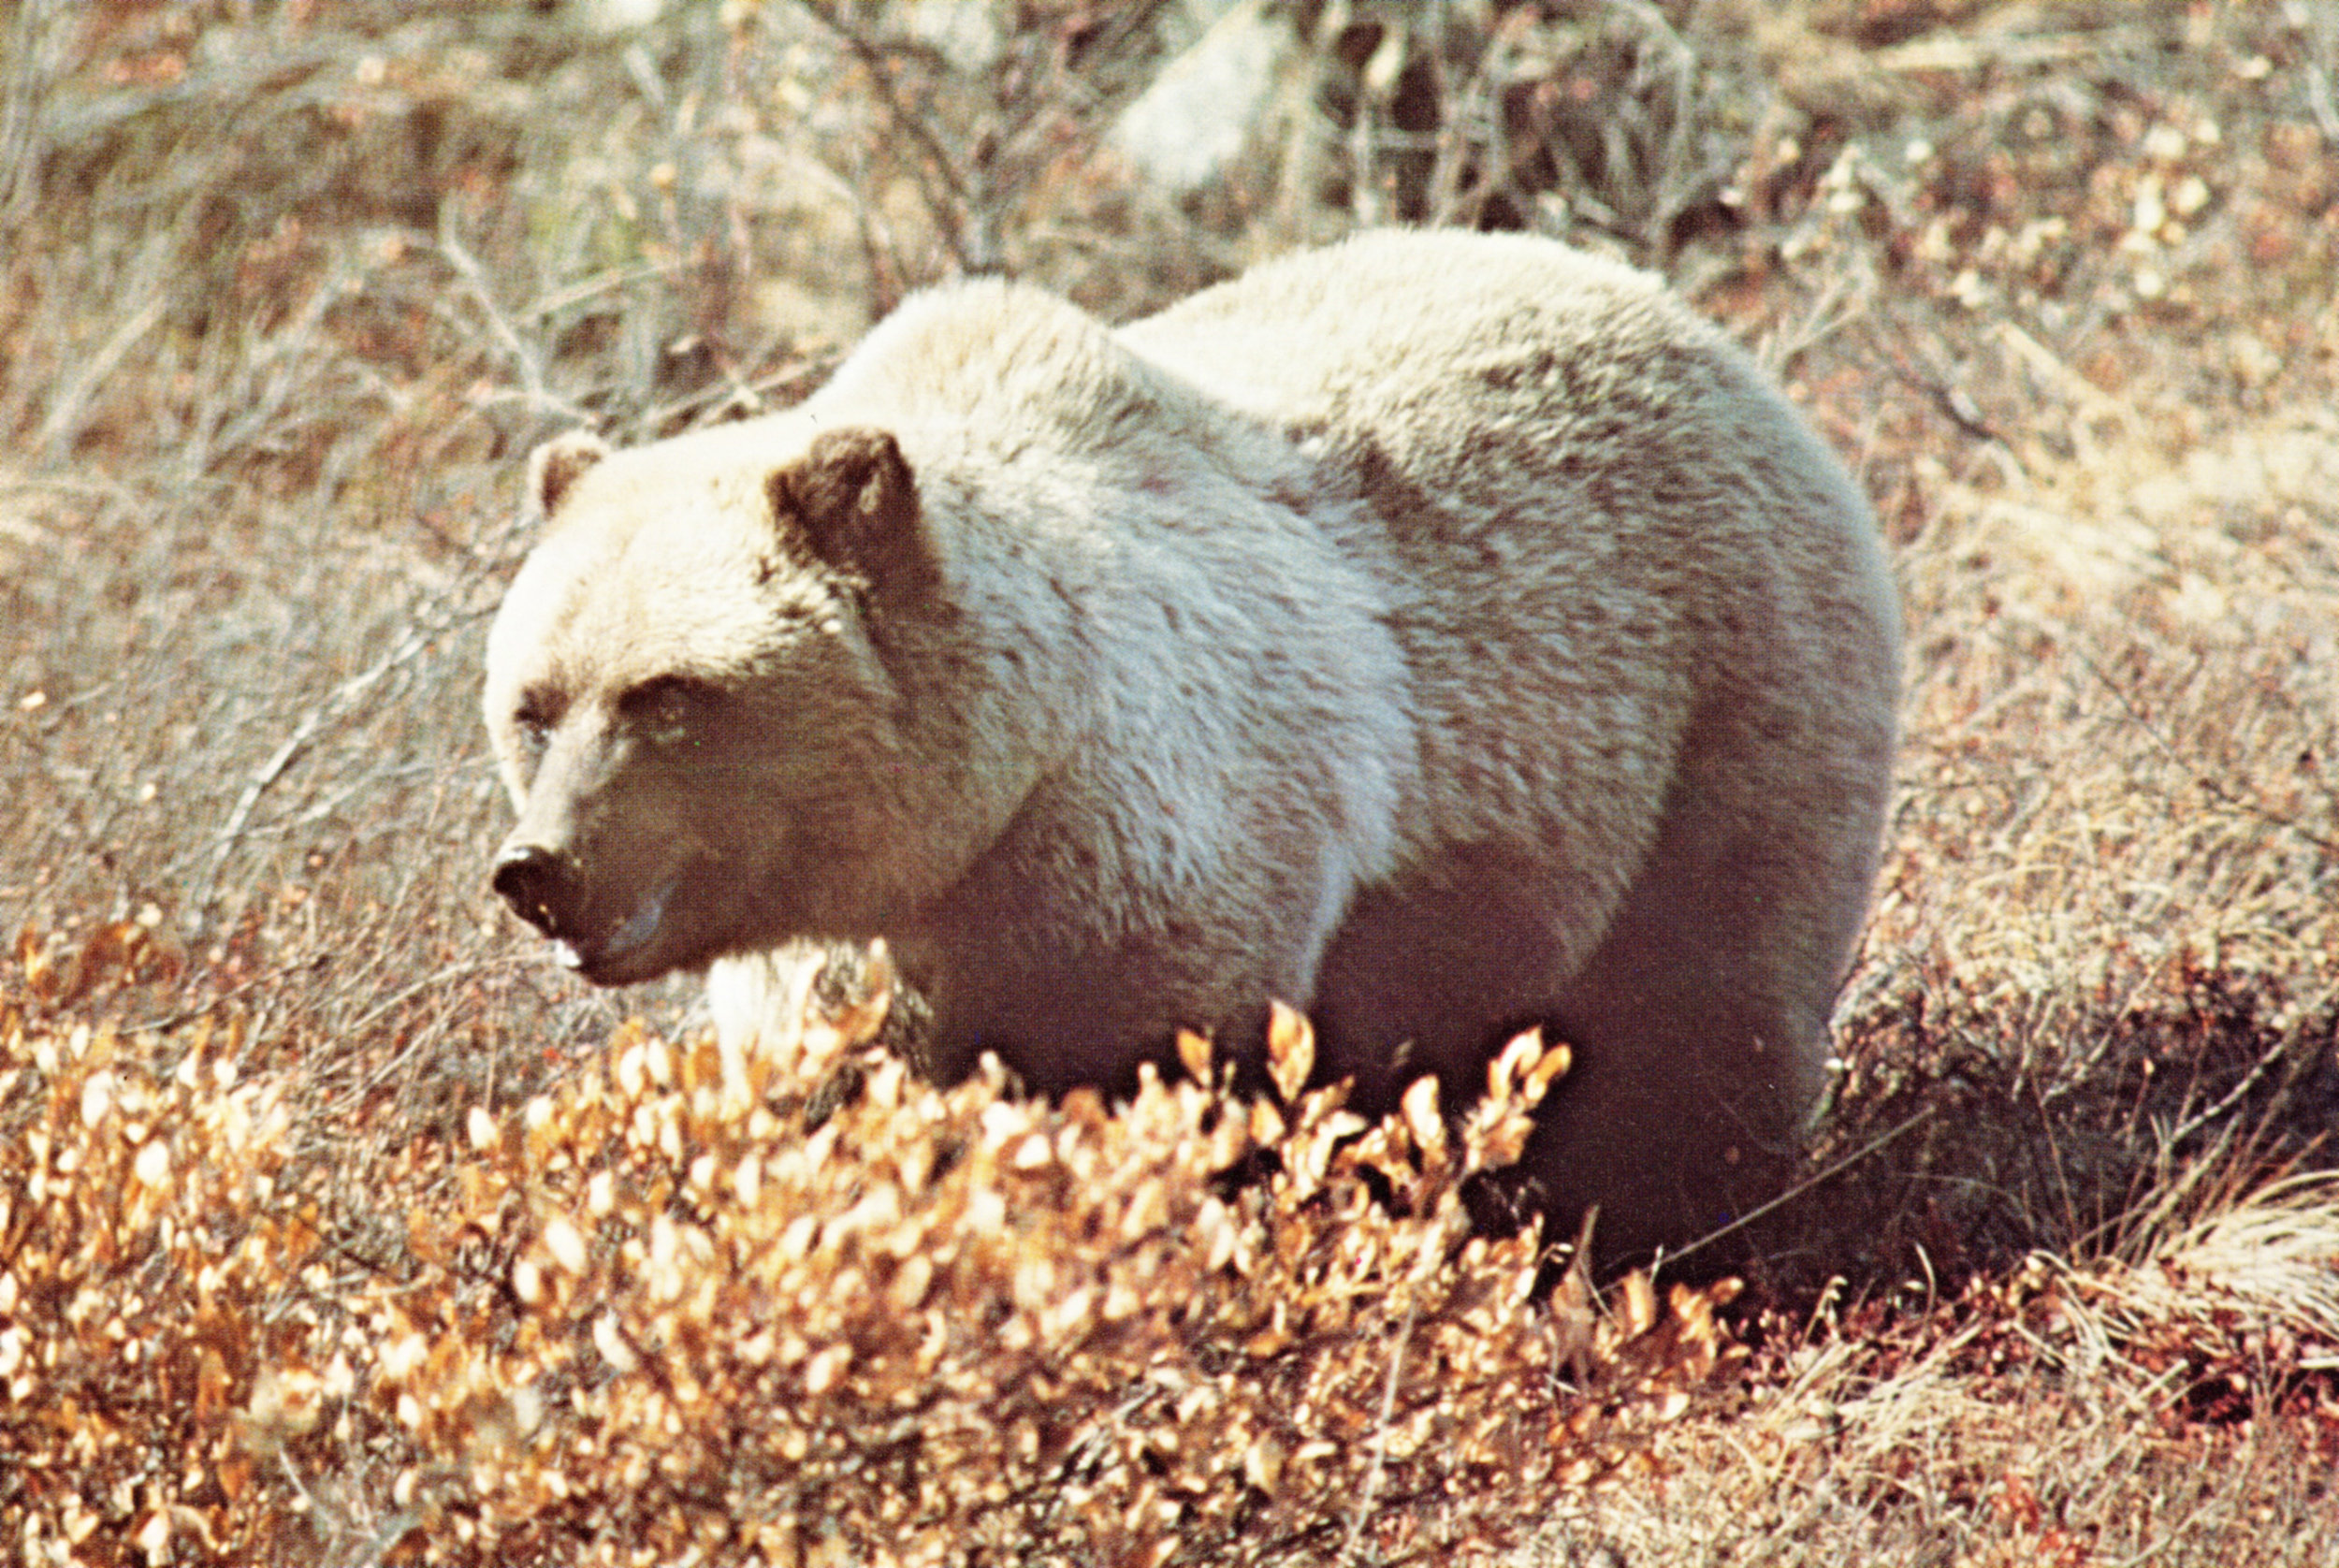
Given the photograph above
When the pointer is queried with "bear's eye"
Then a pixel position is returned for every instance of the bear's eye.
(535, 718)
(666, 707)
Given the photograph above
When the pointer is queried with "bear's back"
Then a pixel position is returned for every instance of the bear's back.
(1504, 405)
(1468, 373)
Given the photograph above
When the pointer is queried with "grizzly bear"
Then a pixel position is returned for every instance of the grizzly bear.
(1440, 632)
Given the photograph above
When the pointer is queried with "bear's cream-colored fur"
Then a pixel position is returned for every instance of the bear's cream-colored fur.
(1438, 632)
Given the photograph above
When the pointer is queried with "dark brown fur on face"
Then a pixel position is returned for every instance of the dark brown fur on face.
(1442, 633)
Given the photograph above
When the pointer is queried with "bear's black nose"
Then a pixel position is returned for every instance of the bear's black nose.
(536, 882)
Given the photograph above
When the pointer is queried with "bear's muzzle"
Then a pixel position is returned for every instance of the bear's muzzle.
(541, 886)
(544, 889)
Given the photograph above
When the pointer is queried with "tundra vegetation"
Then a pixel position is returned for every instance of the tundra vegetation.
(336, 1227)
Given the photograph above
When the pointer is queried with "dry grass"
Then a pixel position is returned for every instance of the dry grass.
(284, 290)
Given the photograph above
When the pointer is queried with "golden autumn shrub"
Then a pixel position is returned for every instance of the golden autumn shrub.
(797, 1307)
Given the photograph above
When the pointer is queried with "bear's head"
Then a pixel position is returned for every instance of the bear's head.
(699, 689)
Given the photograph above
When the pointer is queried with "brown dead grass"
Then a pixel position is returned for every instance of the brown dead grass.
(284, 290)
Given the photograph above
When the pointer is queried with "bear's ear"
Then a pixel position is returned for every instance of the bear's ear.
(854, 497)
(555, 465)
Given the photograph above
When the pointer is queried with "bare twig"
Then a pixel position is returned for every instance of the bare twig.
(1363, 1515)
(524, 359)
(64, 420)
(30, 70)
(953, 207)
(1861, 1153)
(332, 707)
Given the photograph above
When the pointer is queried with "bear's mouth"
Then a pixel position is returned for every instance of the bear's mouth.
(605, 960)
